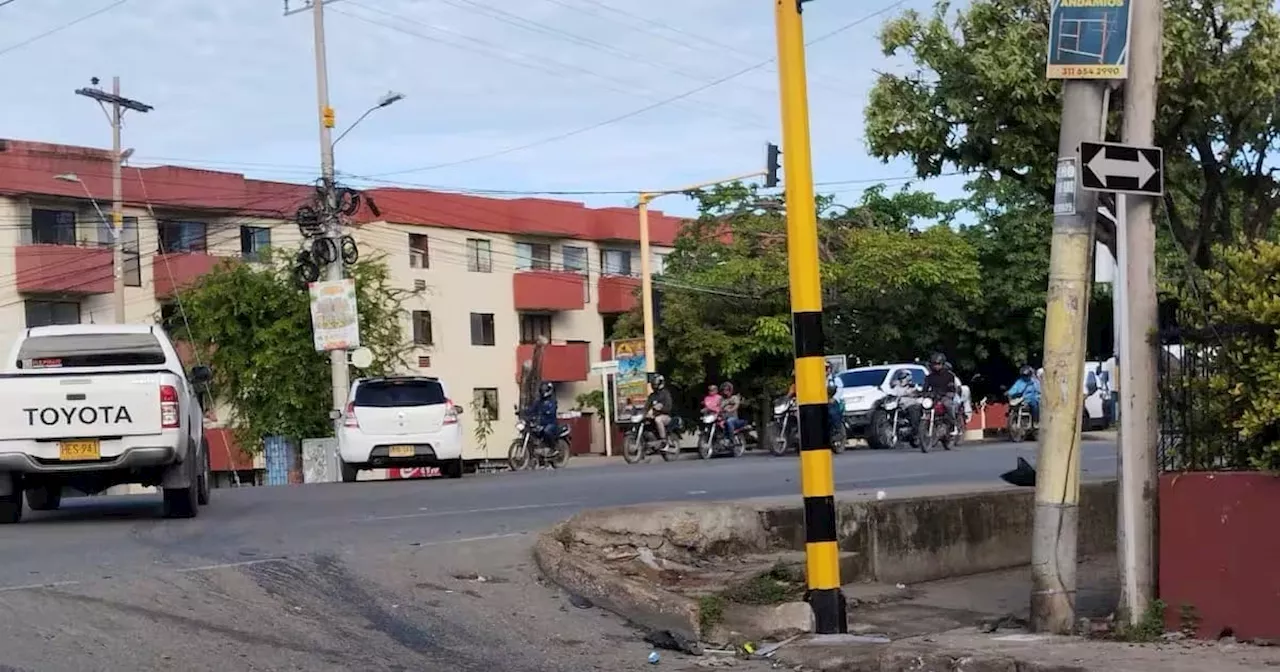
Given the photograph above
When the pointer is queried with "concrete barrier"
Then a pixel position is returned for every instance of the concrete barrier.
(896, 540)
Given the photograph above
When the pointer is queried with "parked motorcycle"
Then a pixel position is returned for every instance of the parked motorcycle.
(1021, 425)
(531, 450)
(642, 439)
(784, 430)
(891, 424)
(714, 437)
(935, 427)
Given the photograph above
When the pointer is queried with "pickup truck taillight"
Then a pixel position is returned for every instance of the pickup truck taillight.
(169, 418)
(350, 419)
(450, 416)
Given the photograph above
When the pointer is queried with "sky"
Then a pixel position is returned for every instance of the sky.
(505, 95)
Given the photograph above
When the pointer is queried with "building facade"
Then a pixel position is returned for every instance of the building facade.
(492, 275)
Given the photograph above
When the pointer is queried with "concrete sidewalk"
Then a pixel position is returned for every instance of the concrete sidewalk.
(976, 624)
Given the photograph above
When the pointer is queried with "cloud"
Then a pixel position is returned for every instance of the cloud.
(233, 84)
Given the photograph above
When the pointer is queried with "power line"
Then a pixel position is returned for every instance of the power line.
(60, 28)
(642, 110)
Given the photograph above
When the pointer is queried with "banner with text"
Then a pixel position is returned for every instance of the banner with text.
(631, 382)
(334, 318)
(1088, 39)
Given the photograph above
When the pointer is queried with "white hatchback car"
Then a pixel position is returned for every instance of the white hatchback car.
(400, 421)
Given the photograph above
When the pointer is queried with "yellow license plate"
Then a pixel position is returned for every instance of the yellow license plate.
(401, 451)
(72, 451)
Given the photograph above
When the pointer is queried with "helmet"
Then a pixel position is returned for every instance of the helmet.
(726, 387)
(903, 376)
(547, 389)
(1026, 371)
(831, 387)
(658, 381)
(937, 360)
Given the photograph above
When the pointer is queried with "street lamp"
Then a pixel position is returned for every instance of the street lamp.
(72, 177)
(388, 99)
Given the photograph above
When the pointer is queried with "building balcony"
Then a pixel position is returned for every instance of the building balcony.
(64, 269)
(548, 290)
(568, 362)
(617, 294)
(175, 270)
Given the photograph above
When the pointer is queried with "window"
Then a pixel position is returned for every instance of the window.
(482, 329)
(533, 326)
(424, 361)
(53, 227)
(575, 259)
(45, 313)
(171, 319)
(659, 262)
(609, 323)
(864, 378)
(183, 236)
(486, 401)
(420, 251)
(615, 262)
(399, 393)
(129, 243)
(86, 350)
(533, 257)
(422, 328)
(254, 241)
(479, 255)
(419, 285)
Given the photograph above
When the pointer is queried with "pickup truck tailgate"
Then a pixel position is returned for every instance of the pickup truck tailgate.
(46, 407)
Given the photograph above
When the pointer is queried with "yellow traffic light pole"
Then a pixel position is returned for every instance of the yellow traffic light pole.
(817, 477)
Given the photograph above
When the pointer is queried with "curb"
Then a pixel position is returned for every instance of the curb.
(643, 604)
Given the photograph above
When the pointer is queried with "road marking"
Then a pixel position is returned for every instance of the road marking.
(463, 512)
(228, 565)
(881, 479)
(37, 586)
(467, 540)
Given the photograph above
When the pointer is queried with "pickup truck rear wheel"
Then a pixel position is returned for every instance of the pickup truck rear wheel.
(44, 498)
(205, 491)
(184, 502)
(11, 509)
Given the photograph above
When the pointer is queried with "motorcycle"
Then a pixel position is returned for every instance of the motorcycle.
(1021, 425)
(891, 424)
(642, 439)
(530, 450)
(935, 427)
(714, 436)
(785, 428)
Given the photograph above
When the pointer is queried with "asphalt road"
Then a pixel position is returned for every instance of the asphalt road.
(376, 575)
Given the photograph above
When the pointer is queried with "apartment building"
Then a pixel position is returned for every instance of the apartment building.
(494, 275)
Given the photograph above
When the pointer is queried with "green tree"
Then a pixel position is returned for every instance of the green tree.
(891, 291)
(977, 101)
(252, 325)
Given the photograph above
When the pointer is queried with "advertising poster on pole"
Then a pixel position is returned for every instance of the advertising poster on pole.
(335, 321)
(1088, 39)
(631, 382)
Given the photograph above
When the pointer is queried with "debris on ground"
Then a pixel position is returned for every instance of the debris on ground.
(580, 602)
(1007, 622)
(674, 641)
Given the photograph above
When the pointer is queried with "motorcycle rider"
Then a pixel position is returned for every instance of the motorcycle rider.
(1027, 386)
(544, 412)
(711, 402)
(659, 404)
(729, 408)
(835, 408)
(941, 385)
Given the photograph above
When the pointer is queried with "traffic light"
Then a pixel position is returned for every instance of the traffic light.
(771, 165)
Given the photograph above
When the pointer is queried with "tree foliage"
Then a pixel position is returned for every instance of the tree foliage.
(976, 100)
(252, 325)
(892, 291)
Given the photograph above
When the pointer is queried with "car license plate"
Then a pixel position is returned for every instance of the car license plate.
(79, 450)
(401, 451)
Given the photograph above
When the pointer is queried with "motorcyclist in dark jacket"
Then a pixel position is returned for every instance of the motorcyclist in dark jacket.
(543, 413)
(659, 404)
(941, 385)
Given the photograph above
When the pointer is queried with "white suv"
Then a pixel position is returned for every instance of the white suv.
(399, 421)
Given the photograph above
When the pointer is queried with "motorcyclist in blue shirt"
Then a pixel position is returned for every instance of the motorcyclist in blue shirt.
(1027, 386)
(543, 413)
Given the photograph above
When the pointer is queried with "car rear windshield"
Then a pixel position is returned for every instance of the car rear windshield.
(864, 378)
(90, 350)
(397, 393)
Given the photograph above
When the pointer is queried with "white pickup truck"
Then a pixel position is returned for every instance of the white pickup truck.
(91, 406)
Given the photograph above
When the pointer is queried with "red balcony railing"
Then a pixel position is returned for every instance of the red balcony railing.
(176, 270)
(617, 294)
(561, 362)
(548, 290)
(64, 269)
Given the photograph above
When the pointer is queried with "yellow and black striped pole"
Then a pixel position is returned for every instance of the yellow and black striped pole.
(817, 478)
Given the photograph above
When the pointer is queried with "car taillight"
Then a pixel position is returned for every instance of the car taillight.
(169, 407)
(350, 419)
(450, 415)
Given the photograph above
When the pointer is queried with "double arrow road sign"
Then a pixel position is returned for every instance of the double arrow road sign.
(1124, 169)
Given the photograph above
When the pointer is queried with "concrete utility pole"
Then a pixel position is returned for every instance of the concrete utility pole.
(118, 105)
(817, 475)
(1139, 428)
(646, 259)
